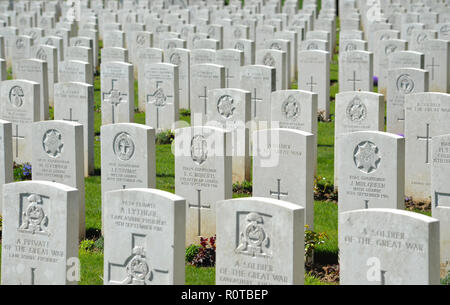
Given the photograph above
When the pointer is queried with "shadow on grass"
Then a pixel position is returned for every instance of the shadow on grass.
(93, 233)
(325, 257)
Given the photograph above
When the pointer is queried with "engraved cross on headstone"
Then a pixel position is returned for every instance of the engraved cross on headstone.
(153, 99)
(278, 193)
(227, 77)
(17, 137)
(366, 204)
(311, 84)
(199, 206)
(134, 270)
(33, 276)
(427, 140)
(432, 65)
(114, 97)
(255, 99)
(205, 98)
(354, 80)
(70, 117)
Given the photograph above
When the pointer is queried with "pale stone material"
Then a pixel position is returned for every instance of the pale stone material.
(426, 115)
(203, 56)
(260, 232)
(263, 33)
(171, 43)
(114, 54)
(161, 95)
(260, 81)
(56, 42)
(356, 111)
(152, 234)
(406, 59)
(204, 77)
(285, 46)
(437, 62)
(295, 109)
(74, 102)
(58, 154)
(383, 50)
(371, 170)
(248, 47)
(418, 37)
(80, 53)
(315, 77)
(274, 152)
(49, 54)
(315, 44)
(138, 40)
(75, 71)
(39, 250)
(356, 71)
(233, 33)
(181, 58)
(232, 60)
(114, 39)
(3, 70)
(20, 50)
(407, 29)
(440, 195)
(209, 44)
(202, 176)
(276, 59)
(19, 104)
(146, 56)
(230, 109)
(402, 82)
(36, 70)
(128, 158)
(352, 45)
(388, 247)
(292, 37)
(6, 157)
(117, 92)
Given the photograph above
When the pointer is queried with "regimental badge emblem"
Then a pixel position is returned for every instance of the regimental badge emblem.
(239, 46)
(211, 31)
(140, 39)
(171, 45)
(52, 143)
(312, 46)
(268, 60)
(16, 96)
(290, 108)
(123, 146)
(366, 157)
(175, 59)
(445, 30)
(356, 110)
(226, 106)
(385, 36)
(405, 84)
(409, 30)
(40, 54)
(49, 42)
(350, 47)
(390, 48)
(275, 46)
(237, 33)
(199, 149)
(158, 97)
(137, 269)
(34, 220)
(78, 43)
(20, 43)
(253, 239)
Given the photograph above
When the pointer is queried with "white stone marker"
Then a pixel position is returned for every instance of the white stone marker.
(117, 92)
(40, 233)
(230, 109)
(162, 95)
(371, 171)
(426, 115)
(146, 56)
(203, 172)
(150, 225)
(6, 157)
(274, 153)
(314, 76)
(388, 247)
(440, 195)
(406, 59)
(20, 106)
(58, 154)
(128, 157)
(437, 62)
(181, 58)
(114, 54)
(276, 59)
(356, 71)
(232, 60)
(75, 71)
(49, 54)
(401, 83)
(260, 241)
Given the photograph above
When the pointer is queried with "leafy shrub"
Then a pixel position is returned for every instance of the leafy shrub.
(185, 112)
(191, 252)
(324, 190)
(22, 171)
(87, 245)
(312, 240)
(446, 280)
(165, 137)
(206, 256)
(100, 243)
(245, 187)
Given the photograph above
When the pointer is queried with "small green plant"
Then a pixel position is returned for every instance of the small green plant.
(87, 245)
(165, 137)
(99, 243)
(312, 240)
(191, 252)
(206, 256)
(22, 172)
(324, 190)
(185, 112)
(244, 187)
(446, 280)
